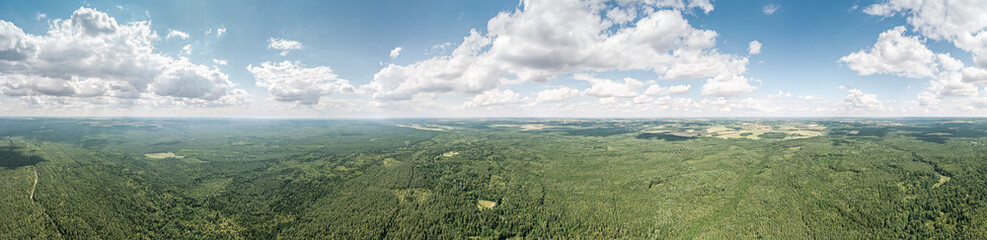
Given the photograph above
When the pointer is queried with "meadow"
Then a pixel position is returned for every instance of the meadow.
(147, 178)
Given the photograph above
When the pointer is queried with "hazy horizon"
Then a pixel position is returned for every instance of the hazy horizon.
(453, 59)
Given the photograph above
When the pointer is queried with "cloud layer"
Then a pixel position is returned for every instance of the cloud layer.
(278, 44)
(544, 39)
(292, 82)
(92, 56)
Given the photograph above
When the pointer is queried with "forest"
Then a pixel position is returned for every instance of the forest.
(227, 178)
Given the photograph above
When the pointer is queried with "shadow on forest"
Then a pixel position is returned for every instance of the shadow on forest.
(662, 136)
(12, 157)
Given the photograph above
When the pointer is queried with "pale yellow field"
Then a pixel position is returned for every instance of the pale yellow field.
(484, 204)
(428, 127)
(450, 154)
(942, 179)
(524, 127)
(419, 195)
(806, 131)
(163, 155)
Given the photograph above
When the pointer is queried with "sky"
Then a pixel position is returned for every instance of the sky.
(494, 58)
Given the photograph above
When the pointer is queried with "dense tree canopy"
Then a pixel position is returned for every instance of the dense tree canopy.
(454, 179)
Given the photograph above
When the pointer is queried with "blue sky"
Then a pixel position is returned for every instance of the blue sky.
(344, 66)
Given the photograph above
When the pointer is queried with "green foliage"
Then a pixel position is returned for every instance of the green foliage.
(578, 179)
(773, 135)
(661, 136)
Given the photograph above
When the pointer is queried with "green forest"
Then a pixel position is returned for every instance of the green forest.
(174, 178)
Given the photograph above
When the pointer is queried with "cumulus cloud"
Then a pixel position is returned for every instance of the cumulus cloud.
(40, 16)
(545, 39)
(284, 45)
(622, 15)
(857, 99)
(770, 9)
(176, 33)
(961, 22)
(727, 86)
(292, 82)
(927, 99)
(438, 48)
(495, 97)
(754, 47)
(221, 62)
(90, 55)
(657, 90)
(780, 94)
(952, 84)
(898, 54)
(606, 88)
(975, 75)
(395, 52)
(556, 95)
(219, 31)
(894, 53)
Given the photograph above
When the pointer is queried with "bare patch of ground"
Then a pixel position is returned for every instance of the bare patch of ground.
(35, 186)
(450, 154)
(484, 204)
(754, 130)
(687, 133)
(390, 162)
(163, 155)
(942, 179)
(427, 127)
(418, 195)
(524, 127)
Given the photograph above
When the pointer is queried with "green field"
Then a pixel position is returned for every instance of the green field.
(133, 178)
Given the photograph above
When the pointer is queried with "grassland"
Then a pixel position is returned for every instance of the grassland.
(493, 178)
(163, 155)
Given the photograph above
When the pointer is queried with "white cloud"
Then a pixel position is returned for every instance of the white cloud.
(605, 88)
(780, 94)
(727, 86)
(927, 99)
(395, 52)
(975, 75)
(857, 99)
(40, 16)
(175, 33)
(951, 84)
(608, 100)
(545, 39)
(907, 56)
(221, 62)
(219, 31)
(556, 95)
(284, 45)
(754, 47)
(91, 57)
(494, 97)
(770, 9)
(438, 48)
(656, 90)
(622, 15)
(961, 22)
(895, 54)
(292, 82)
(187, 49)
(809, 97)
